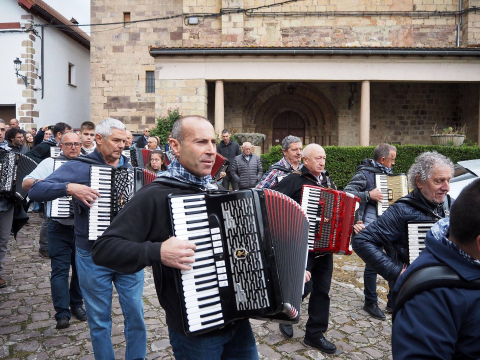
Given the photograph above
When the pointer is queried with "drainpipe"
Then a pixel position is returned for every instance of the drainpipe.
(459, 25)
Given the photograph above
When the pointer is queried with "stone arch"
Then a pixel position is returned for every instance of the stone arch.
(321, 124)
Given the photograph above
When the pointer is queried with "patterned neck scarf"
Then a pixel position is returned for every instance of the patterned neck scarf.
(4, 145)
(440, 231)
(177, 171)
(385, 169)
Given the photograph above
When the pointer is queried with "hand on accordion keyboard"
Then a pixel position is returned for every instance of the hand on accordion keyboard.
(83, 193)
(177, 253)
(376, 194)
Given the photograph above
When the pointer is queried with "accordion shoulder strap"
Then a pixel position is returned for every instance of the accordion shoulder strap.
(419, 206)
(88, 160)
(428, 278)
(171, 182)
(281, 168)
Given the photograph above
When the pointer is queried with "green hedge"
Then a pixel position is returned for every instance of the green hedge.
(343, 161)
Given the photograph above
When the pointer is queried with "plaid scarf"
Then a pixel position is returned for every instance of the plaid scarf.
(440, 232)
(385, 169)
(177, 171)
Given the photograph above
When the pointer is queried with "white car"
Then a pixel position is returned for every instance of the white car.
(465, 173)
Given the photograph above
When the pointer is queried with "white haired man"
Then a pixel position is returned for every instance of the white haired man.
(430, 177)
(73, 178)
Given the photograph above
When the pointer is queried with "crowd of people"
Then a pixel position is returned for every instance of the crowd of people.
(140, 236)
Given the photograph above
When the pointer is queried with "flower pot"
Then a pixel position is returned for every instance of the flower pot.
(447, 140)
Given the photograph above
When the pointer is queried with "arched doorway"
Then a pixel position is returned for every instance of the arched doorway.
(287, 123)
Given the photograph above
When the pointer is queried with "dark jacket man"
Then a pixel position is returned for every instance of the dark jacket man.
(390, 229)
(228, 149)
(42, 150)
(442, 322)
(319, 265)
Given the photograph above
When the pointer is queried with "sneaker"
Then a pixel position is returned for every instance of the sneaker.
(44, 253)
(374, 311)
(3, 283)
(79, 313)
(286, 330)
(321, 344)
(63, 322)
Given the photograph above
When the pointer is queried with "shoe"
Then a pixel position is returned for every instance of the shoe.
(3, 283)
(286, 330)
(374, 311)
(79, 313)
(44, 253)
(63, 322)
(321, 344)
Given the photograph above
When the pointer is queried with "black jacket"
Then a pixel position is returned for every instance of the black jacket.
(41, 151)
(134, 240)
(293, 183)
(390, 230)
(141, 142)
(229, 151)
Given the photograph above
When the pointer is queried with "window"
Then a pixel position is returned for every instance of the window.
(71, 74)
(150, 83)
(126, 19)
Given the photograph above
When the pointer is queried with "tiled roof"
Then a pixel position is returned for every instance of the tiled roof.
(49, 14)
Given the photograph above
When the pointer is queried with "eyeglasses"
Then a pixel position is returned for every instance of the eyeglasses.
(69, 144)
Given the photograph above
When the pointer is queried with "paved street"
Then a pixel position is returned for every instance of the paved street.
(27, 324)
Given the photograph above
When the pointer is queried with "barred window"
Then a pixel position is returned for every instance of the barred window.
(150, 83)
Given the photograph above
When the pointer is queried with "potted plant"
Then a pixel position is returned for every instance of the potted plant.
(450, 136)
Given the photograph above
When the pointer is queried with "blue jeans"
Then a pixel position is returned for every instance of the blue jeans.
(236, 343)
(96, 284)
(61, 249)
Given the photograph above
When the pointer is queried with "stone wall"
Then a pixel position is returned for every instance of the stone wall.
(120, 57)
(470, 109)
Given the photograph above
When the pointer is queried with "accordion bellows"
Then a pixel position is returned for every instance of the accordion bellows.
(13, 168)
(250, 258)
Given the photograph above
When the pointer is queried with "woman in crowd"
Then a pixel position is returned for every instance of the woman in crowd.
(157, 162)
(29, 141)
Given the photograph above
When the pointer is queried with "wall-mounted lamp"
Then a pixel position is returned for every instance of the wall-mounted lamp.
(18, 63)
(193, 20)
(291, 89)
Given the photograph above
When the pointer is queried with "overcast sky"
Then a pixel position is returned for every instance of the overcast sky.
(79, 9)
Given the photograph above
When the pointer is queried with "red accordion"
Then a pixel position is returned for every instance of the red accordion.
(331, 216)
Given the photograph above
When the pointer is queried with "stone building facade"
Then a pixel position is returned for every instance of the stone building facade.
(332, 72)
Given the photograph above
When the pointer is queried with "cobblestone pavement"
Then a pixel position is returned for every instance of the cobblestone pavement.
(27, 324)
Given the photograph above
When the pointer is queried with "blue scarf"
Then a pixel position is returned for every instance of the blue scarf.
(177, 171)
(440, 231)
(385, 169)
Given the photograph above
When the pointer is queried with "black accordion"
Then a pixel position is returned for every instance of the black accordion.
(139, 157)
(417, 232)
(250, 257)
(61, 208)
(116, 187)
(13, 168)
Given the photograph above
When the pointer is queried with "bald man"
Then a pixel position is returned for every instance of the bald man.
(246, 168)
(319, 264)
(138, 237)
(129, 140)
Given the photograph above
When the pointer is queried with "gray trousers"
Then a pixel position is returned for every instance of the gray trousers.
(6, 219)
(43, 234)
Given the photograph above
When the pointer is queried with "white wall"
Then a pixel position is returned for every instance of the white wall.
(11, 45)
(61, 102)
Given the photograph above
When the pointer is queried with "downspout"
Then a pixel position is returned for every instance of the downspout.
(459, 25)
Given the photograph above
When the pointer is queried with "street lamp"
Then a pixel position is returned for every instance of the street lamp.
(17, 62)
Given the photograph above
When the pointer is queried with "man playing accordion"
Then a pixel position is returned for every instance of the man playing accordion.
(319, 265)
(141, 236)
(429, 177)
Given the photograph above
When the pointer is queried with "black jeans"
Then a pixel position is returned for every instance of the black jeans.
(321, 268)
(61, 249)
